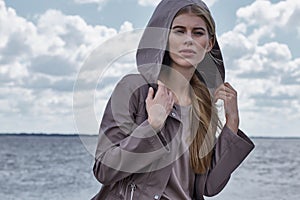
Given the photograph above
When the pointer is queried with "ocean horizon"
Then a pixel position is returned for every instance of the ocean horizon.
(94, 135)
(36, 166)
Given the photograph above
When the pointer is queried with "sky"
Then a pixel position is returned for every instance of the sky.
(44, 45)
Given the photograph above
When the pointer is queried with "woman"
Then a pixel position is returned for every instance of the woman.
(157, 138)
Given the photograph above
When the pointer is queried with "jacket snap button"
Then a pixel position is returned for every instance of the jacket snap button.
(156, 197)
(173, 114)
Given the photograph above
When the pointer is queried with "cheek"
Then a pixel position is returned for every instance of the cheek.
(202, 48)
(201, 54)
(173, 43)
(203, 44)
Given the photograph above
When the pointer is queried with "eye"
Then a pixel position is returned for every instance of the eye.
(179, 31)
(199, 33)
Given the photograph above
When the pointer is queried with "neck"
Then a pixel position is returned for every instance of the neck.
(178, 80)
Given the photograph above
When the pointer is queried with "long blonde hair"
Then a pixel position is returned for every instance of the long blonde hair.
(204, 114)
(206, 121)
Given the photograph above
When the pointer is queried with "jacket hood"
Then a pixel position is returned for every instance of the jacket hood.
(153, 44)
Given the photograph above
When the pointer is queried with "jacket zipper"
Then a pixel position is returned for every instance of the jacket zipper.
(133, 187)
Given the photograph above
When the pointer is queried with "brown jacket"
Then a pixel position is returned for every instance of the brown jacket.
(132, 160)
(115, 168)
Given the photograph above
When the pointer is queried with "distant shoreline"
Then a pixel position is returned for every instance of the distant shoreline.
(94, 135)
(47, 134)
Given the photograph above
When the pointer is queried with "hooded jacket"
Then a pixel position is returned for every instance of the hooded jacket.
(132, 161)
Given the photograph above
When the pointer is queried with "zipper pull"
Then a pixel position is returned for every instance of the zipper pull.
(133, 187)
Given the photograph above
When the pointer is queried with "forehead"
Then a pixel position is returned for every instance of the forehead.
(188, 20)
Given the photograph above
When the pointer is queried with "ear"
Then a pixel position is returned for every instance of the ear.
(210, 45)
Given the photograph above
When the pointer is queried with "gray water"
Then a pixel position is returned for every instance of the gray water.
(60, 168)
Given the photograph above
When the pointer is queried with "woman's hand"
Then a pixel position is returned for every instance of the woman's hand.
(159, 107)
(228, 94)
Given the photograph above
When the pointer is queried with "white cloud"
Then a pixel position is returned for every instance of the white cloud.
(72, 32)
(89, 1)
(38, 66)
(266, 17)
(262, 69)
(236, 44)
(55, 37)
(148, 2)
(126, 26)
(266, 74)
(210, 3)
(100, 3)
(278, 52)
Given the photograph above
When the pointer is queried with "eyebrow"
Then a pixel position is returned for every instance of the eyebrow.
(197, 28)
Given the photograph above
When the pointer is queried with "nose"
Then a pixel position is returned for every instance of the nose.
(188, 40)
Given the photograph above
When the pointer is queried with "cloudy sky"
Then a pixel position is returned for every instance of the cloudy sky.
(45, 44)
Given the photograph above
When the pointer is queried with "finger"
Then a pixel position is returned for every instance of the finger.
(163, 86)
(220, 88)
(171, 98)
(173, 101)
(226, 93)
(220, 96)
(222, 92)
(160, 83)
(163, 92)
(150, 94)
(170, 105)
(159, 89)
(225, 96)
(170, 94)
(230, 87)
(224, 87)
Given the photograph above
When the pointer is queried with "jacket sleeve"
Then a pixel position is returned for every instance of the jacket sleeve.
(230, 150)
(124, 147)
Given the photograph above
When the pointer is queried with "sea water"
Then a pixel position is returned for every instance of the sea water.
(41, 167)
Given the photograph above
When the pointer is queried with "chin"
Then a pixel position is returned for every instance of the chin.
(187, 63)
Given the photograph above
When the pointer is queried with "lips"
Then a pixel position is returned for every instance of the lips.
(187, 52)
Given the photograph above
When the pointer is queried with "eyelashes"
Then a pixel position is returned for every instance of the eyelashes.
(182, 32)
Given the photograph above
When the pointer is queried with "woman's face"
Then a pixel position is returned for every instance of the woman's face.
(189, 40)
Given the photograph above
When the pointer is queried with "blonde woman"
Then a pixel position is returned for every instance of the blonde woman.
(158, 135)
